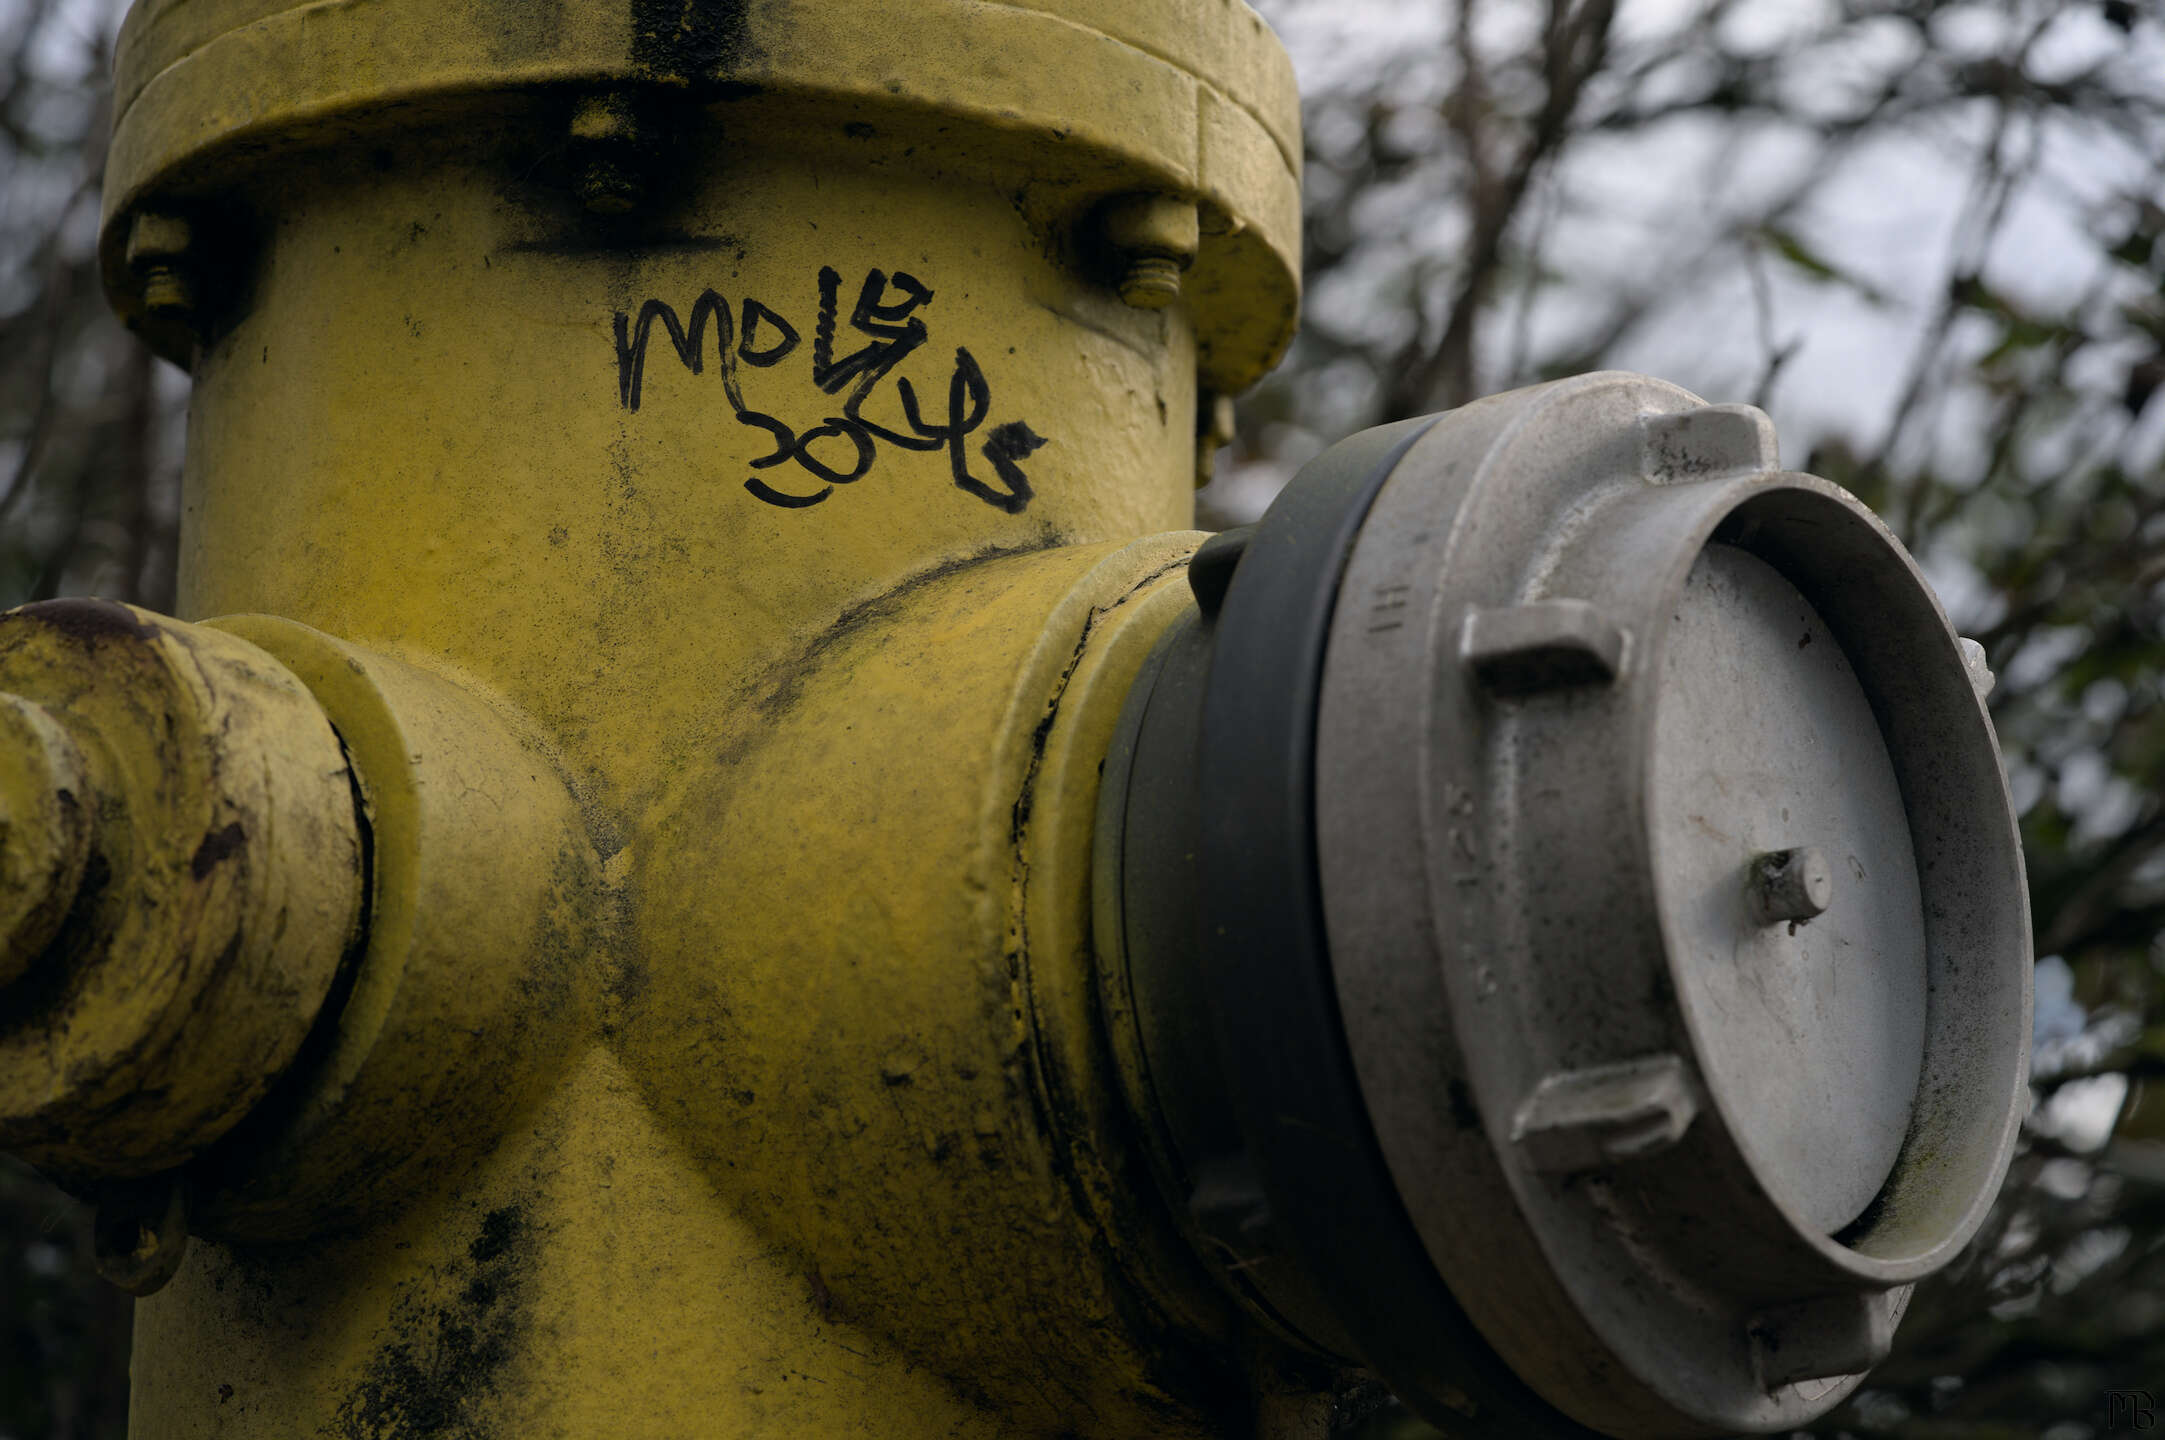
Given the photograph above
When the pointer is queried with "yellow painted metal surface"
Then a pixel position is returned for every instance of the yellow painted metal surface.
(899, 979)
(1055, 106)
(44, 830)
(796, 1173)
(693, 457)
(426, 434)
(482, 963)
(218, 889)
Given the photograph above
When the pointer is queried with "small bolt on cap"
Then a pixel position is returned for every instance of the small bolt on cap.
(1156, 238)
(608, 142)
(158, 246)
(166, 291)
(1790, 885)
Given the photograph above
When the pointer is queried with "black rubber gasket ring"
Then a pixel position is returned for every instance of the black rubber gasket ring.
(1265, 963)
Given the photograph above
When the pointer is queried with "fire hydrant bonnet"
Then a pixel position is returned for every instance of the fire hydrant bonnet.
(1063, 105)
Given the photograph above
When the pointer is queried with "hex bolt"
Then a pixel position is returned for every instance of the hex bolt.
(158, 245)
(45, 836)
(1790, 885)
(607, 141)
(1156, 238)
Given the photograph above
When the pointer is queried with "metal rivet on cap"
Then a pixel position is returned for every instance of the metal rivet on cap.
(1792, 885)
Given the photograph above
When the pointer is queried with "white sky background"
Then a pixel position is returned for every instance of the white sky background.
(1624, 209)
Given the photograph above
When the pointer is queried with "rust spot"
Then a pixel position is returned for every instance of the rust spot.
(218, 845)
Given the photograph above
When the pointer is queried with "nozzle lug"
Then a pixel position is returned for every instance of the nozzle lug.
(1589, 1119)
(1542, 645)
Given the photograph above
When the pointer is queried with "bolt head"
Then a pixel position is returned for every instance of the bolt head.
(158, 239)
(166, 291)
(610, 188)
(1152, 282)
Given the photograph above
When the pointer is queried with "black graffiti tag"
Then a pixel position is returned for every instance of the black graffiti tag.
(841, 449)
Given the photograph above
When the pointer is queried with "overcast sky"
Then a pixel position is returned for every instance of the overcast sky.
(1626, 207)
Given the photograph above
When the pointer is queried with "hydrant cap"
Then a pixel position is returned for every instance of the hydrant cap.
(1610, 952)
(1073, 102)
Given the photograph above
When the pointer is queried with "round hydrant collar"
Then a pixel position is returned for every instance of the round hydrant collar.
(1064, 106)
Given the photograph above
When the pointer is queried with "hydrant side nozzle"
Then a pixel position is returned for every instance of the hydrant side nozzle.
(45, 831)
(200, 787)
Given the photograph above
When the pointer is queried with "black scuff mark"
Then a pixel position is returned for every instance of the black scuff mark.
(775, 694)
(669, 241)
(219, 845)
(694, 40)
(44, 985)
(448, 1355)
(87, 622)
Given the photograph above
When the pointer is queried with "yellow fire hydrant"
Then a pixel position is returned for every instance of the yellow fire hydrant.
(730, 868)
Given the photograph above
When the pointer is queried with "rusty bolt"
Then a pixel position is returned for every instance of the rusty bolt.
(158, 247)
(1156, 237)
(44, 831)
(1792, 885)
(608, 143)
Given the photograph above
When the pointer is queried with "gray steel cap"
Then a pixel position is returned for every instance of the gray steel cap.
(1674, 903)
